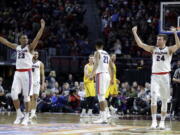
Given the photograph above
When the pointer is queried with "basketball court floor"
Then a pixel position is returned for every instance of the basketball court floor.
(72, 124)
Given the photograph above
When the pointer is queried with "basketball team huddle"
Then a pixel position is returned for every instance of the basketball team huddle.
(101, 68)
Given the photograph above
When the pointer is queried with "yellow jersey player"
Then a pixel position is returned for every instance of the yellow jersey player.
(89, 87)
(112, 92)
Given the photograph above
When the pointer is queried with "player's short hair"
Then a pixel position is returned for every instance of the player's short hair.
(99, 43)
(165, 37)
(22, 34)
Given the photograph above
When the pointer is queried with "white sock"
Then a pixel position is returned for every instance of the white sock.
(90, 111)
(112, 108)
(27, 115)
(163, 118)
(107, 109)
(104, 116)
(19, 112)
(33, 111)
(101, 113)
(154, 117)
(83, 111)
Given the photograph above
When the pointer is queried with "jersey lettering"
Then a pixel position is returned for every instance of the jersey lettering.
(160, 58)
(21, 55)
(106, 59)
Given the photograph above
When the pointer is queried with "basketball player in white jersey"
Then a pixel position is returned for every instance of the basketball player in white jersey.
(23, 75)
(38, 82)
(104, 71)
(161, 67)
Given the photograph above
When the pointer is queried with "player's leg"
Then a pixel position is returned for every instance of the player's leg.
(114, 93)
(87, 93)
(154, 93)
(92, 94)
(101, 98)
(27, 81)
(84, 104)
(108, 100)
(84, 107)
(36, 90)
(103, 81)
(15, 91)
(33, 105)
(164, 95)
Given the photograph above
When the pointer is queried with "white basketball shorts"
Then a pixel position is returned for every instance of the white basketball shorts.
(102, 83)
(22, 82)
(160, 86)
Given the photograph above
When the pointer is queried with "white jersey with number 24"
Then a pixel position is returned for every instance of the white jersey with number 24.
(161, 60)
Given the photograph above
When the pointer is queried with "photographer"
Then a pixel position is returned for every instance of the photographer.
(74, 100)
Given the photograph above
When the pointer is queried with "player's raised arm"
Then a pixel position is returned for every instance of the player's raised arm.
(111, 72)
(42, 75)
(38, 36)
(7, 43)
(139, 42)
(175, 47)
(96, 56)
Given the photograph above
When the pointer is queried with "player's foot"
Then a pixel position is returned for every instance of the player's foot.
(25, 121)
(83, 115)
(154, 124)
(100, 121)
(18, 119)
(162, 125)
(113, 110)
(108, 115)
(33, 116)
(90, 114)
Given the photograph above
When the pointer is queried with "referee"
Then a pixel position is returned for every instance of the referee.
(176, 91)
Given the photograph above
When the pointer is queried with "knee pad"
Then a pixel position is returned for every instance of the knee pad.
(101, 98)
(14, 95)
(26, 98)
(164, 105)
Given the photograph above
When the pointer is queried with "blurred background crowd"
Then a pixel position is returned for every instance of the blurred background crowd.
(68, 97)
(67, 45)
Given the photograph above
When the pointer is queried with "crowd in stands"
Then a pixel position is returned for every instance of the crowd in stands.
(65, 32)
(69, 96)
(119, 16)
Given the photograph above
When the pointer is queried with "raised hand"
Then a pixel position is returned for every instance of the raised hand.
(42, 23)
(134, 29)
(173, 29)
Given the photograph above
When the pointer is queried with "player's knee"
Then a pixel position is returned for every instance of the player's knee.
(14, 95)
(153, 102)
(26, 98)
(101, 98)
